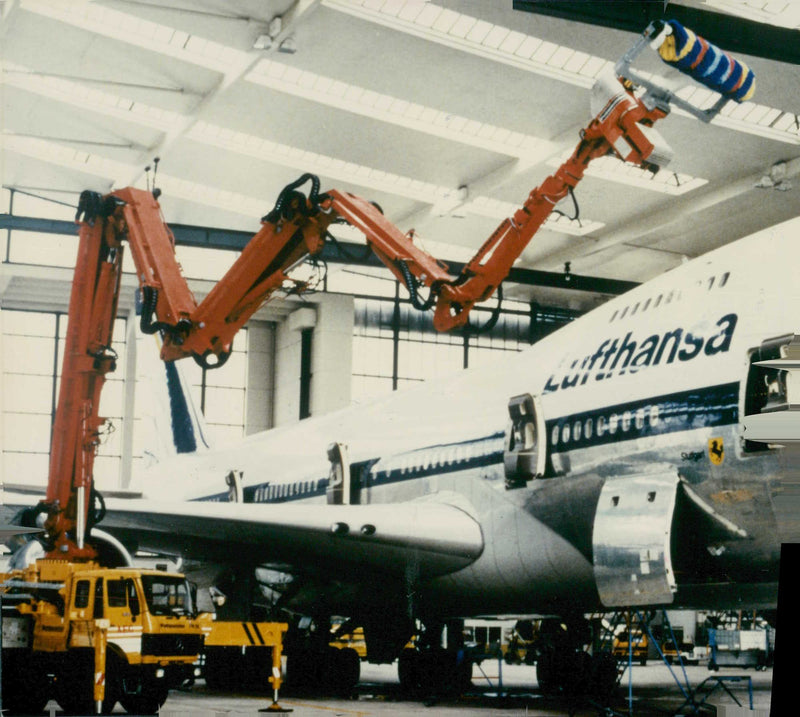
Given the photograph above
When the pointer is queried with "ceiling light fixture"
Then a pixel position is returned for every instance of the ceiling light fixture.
(262, 42)
(776, 177)
(288, 46)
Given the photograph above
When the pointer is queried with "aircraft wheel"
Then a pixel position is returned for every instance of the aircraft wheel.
(342, 670)
(408, 670)
(563, 670)
(604, 676)
(434, 672)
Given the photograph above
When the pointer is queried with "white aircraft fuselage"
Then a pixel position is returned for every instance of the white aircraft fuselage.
(628, 480)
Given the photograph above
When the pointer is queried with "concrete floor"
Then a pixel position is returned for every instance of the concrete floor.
(654, 688)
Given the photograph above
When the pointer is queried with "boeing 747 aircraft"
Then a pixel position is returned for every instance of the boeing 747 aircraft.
(605, 467)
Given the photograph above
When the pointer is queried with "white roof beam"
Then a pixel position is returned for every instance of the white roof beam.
(668, 222)
(394, 110)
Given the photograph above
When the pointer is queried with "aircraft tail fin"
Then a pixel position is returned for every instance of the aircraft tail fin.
(171, 419)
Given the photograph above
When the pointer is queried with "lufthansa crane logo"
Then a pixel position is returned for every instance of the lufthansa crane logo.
(716, 451)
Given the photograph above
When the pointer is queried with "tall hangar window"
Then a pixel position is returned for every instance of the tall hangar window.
(396, 346)
(32, 346)
(32, 352)
(220, 392)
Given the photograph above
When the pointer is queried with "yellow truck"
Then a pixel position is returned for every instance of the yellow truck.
(90, 637)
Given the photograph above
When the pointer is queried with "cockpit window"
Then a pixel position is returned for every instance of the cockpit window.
(167, 595)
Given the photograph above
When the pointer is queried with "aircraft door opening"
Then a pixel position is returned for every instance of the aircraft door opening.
(525, 452)
(767, 388)
(339, 478)
(233, 480)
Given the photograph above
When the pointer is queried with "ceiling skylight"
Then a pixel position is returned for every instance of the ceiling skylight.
(615, 170)
(750, 117)
(496, 209)
(142, 33)
(782, 13)
(464, 32)
(339, 170)
(386, 108)
(87, 98)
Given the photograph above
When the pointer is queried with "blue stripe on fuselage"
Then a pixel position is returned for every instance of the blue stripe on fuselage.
(710, 406)
(684, 411)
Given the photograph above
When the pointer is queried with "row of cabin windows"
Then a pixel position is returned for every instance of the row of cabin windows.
(265, 493)
(587, 428)
(664, 299)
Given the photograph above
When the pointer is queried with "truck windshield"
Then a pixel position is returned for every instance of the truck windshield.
(167, 595)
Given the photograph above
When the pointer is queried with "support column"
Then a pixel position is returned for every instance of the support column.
(332, 353)
(260, 393)
(329, 319)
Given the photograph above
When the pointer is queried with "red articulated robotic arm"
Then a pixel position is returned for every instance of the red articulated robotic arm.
(297, 228)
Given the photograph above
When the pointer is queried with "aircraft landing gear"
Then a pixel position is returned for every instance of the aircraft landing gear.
(563, 667)
(433, 672)
(330, 671)
(315, 666)
(430, 670)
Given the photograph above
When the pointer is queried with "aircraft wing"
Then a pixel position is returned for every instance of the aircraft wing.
(434, 538)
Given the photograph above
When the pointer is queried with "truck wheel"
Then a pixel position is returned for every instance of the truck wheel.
(24, 691)
(342, 670)
(74, 683)
(147, 702)
(23, 702)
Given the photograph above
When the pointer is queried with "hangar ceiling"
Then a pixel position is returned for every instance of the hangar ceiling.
(447, 113)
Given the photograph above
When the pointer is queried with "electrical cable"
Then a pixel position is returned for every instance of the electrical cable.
(577, 217)
(411, 285)
(345, 253)
(492, 320)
